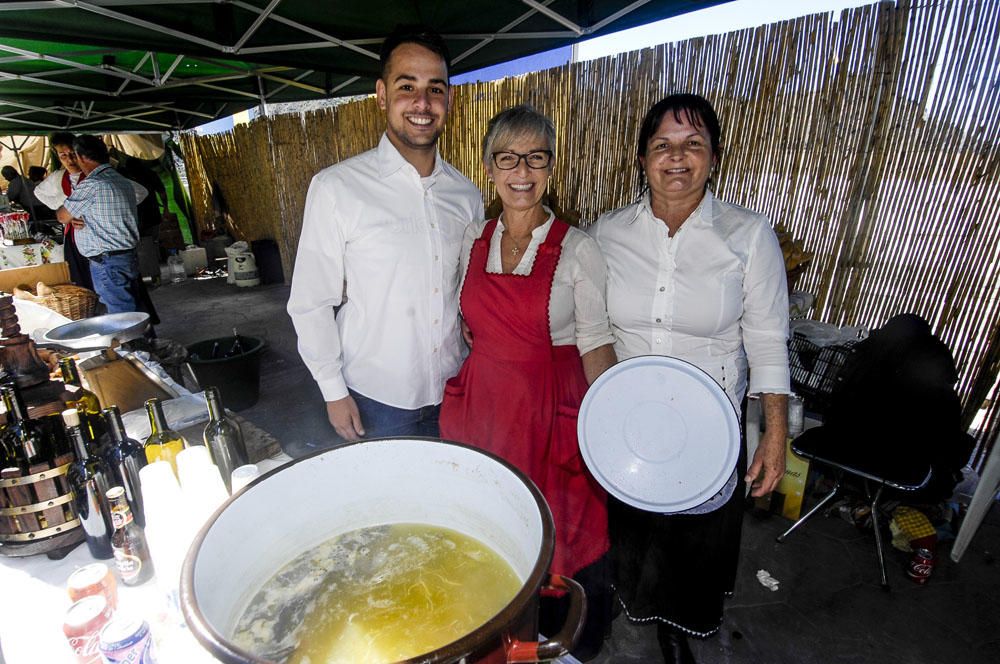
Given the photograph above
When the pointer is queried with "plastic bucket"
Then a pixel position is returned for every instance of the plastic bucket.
(237, 377)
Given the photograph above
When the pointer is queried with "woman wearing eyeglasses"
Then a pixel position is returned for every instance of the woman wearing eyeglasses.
(534, 316)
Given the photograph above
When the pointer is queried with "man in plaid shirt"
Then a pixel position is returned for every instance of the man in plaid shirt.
(102, 210)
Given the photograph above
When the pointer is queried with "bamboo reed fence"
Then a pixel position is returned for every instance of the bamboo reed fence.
(875, 138)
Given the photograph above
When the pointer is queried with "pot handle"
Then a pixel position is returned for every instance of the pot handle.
(558, 645)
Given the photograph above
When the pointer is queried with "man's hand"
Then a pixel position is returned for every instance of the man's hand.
(77, 223)
(768, 464)
(345, 418)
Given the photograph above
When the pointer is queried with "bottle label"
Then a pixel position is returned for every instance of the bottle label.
(120, 518)
(128, 566)
(72, 388)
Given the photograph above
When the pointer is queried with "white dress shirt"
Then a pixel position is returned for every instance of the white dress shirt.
(50, 192)
(390, 240)
(577, 309)
(714, 294)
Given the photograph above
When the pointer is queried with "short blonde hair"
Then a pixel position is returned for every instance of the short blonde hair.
(513, 123)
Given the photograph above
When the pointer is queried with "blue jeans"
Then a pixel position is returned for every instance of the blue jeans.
(381, 420)
(116, 280)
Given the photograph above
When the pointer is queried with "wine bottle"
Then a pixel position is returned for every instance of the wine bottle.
(125, 456)
(89, 478)
(28, 445)
(163, 444)
(128, 541)
(223, 438)
(83, 399)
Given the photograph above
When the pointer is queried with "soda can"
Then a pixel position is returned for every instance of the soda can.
(921, 565)
(82, 626)
(93, 579)
(126, 640)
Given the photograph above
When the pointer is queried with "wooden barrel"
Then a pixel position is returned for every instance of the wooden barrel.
(36, 510)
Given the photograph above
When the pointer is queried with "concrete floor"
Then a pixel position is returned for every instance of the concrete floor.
(829, 608)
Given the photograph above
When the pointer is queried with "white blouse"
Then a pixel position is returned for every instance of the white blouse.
(714, 294)
(577, 311)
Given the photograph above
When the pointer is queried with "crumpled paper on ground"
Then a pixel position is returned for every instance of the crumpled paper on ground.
(767, 580)
(911, 529)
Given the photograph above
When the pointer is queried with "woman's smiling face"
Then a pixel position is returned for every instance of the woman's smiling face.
(522, 187)
(678, 159)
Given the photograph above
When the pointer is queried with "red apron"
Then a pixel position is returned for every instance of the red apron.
(518, 396)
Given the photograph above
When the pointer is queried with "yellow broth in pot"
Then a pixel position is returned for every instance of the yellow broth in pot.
(374, 595)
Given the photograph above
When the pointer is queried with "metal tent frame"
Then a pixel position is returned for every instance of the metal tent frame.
(157, 65)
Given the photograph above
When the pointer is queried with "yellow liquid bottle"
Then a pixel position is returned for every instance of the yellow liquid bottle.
(163, 443)
(82, 399)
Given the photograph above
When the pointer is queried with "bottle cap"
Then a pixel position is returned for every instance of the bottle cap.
(71, 417)
(115, 492)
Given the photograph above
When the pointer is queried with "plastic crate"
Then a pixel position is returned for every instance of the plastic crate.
(815, 370)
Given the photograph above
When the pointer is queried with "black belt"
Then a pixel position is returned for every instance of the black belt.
(99, 258)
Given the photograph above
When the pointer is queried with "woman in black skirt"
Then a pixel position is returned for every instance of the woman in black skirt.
(694, 277)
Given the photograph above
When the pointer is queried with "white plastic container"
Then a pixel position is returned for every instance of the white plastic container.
(245, 271)
(195, 258)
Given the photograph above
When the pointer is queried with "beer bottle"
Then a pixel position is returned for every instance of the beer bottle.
(125, 457)
(163, 444)
(89, 478)
(223, 438)
(128, 542)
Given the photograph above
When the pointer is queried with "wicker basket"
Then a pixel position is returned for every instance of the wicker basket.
(71, 301)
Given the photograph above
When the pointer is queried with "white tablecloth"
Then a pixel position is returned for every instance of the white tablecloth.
(33, 602)
(25, 255)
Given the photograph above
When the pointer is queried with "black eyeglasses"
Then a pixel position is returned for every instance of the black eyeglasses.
(508, 161)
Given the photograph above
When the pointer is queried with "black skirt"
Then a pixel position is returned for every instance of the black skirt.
(677, 569)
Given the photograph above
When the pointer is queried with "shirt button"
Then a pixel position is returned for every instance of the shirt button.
(663, 288)
(435, 258)
(659, 320)
(435, 290)
(436, 321)
(659, 341)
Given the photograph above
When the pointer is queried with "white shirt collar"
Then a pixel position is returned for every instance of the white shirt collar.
(539, 232)
(390, 160)
(701, 214)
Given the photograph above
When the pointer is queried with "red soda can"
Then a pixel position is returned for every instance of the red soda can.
(921, 565)
(82, 626)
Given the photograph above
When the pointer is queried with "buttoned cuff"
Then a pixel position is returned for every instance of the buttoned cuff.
(333, 389)
(769, 380)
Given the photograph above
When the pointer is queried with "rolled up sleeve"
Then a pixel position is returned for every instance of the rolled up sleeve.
(765, 315)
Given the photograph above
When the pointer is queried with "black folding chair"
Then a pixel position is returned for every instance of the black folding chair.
(826, 448)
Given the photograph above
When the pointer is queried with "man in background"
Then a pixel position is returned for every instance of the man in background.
(385, 229)
(102, 211)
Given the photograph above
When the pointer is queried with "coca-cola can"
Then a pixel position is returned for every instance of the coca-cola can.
(82, 626)
(921, 565)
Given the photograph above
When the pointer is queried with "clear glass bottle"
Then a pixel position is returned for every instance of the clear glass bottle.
(163, 444)
(223, 438)
(128, 542)
(89, 478)
(83, 399)
(125, 457)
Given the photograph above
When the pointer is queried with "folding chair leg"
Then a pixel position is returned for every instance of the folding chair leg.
(878, 537)
(820, 505)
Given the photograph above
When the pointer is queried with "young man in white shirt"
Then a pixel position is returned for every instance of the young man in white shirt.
(381, 239)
